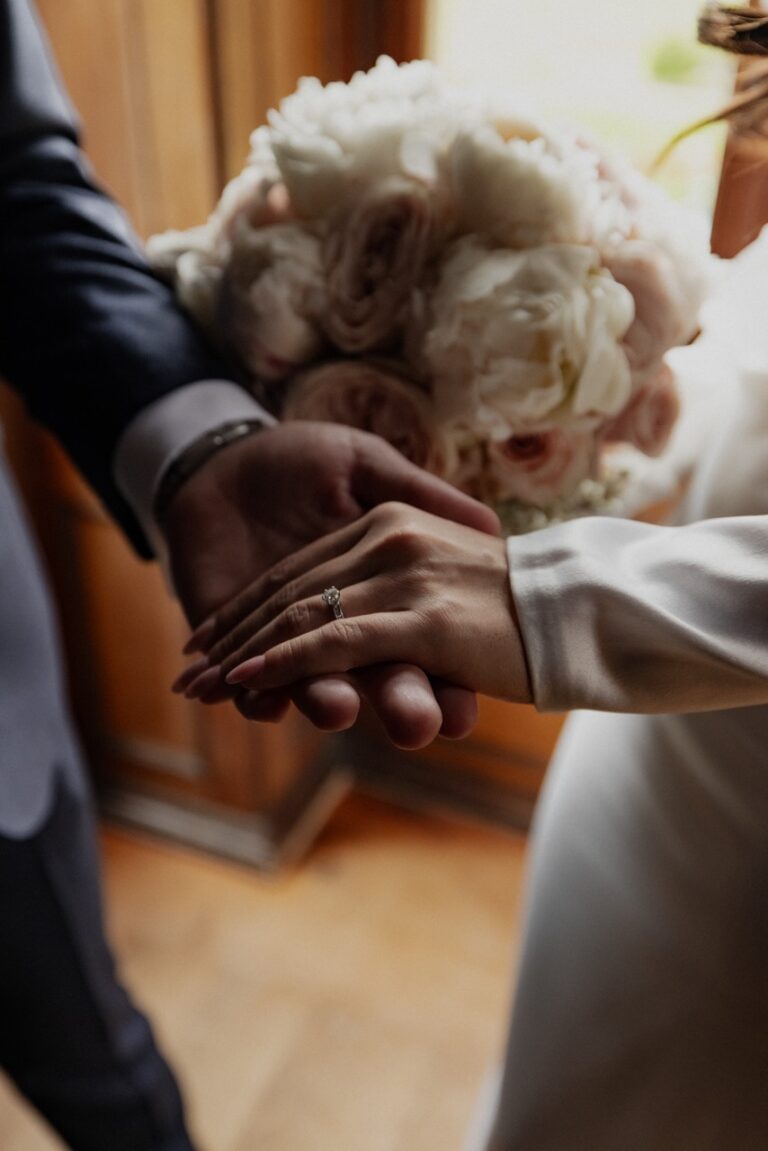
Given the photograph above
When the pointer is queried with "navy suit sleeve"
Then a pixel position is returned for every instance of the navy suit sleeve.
(88, 335)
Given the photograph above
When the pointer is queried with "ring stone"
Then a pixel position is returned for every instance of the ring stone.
(332, 597)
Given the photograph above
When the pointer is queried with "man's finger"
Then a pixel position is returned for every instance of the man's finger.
(384, 475)
(263, 706)
(402, 698)
(459, 708)
(330, 702)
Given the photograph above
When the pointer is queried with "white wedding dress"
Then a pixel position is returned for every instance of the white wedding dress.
(640, 1020)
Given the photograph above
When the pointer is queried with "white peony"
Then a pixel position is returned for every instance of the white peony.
(331, 141)
(521, 187)
(525, 339)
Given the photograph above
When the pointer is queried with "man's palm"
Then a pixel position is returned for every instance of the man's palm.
(266, 496)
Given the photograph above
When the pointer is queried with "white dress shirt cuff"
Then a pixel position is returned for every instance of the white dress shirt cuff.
(162, 430)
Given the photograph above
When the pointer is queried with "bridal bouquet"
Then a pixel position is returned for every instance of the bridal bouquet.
(492, 295)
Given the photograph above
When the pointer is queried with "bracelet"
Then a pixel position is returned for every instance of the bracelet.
(194, 456)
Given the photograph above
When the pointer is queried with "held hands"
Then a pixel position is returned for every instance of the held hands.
(264, 498)
(415, 588)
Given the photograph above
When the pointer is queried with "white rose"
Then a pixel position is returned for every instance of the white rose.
(373, 397)
(330, 141)
(373, 259)
(186, 261)
(521, 187)
(192, 260)
(165, 249)
(521, 339)
(271, 297)
(261, 200)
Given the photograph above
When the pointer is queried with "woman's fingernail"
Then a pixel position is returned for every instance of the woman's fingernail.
(182, 682)
(200, 637)
(204, 683)
(248, 670)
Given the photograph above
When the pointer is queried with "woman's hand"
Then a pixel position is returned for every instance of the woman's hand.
(267, 496)
(415, 589)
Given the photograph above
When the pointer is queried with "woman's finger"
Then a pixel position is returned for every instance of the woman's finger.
(226, 617)
(338, 646)
(369, 597)
(291, 602)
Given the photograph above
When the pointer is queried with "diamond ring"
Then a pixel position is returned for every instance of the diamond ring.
(332, 597)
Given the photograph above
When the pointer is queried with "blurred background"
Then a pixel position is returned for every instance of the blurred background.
(356, 999)
(169, 91)
(634, 74)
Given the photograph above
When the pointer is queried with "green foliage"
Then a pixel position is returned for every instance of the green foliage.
(675, 61)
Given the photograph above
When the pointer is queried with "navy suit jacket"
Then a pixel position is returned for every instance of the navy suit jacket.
(88, 334)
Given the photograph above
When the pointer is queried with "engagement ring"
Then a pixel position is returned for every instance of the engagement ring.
(332, 596)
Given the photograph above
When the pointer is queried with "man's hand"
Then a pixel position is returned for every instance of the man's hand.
(264, 497)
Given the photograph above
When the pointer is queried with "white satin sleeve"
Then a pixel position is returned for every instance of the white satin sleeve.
(623, 616)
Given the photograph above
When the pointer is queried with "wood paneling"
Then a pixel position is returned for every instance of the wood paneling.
(263, 48)
(139, 73)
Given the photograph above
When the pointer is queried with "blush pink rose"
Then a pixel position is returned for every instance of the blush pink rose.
(649, 417)
(540, 467)
(663, 315)
(373, 258)
(371, 397)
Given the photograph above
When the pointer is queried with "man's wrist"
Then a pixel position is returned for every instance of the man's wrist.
(195, 456)
(165, 429)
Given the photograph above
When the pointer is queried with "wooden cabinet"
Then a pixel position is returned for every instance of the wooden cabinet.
(169, 91)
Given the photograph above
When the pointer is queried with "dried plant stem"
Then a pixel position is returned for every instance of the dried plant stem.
(740, 30)
(743, 31)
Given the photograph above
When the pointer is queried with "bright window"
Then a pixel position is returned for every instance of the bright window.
(633, 73)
